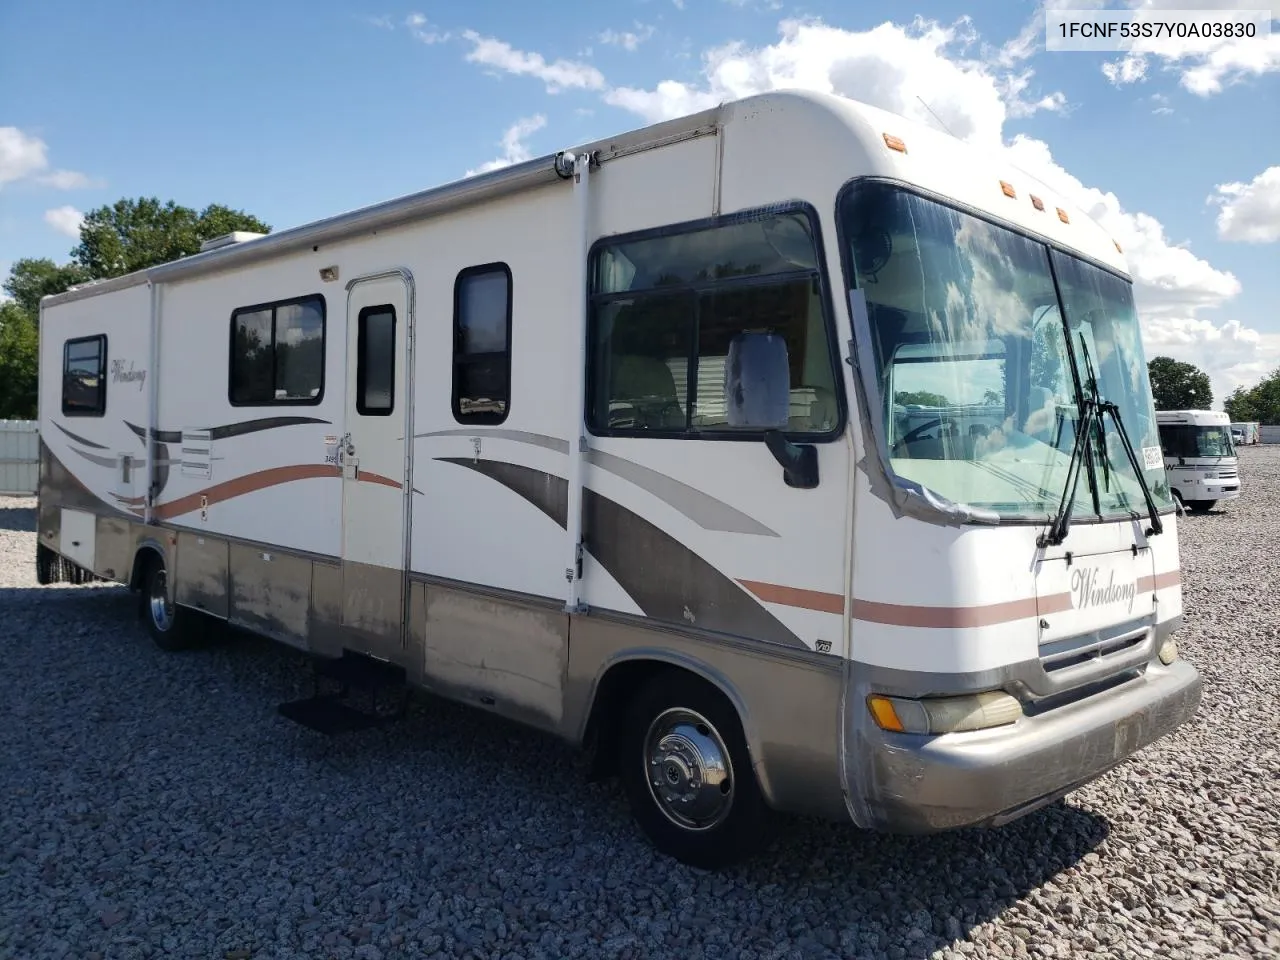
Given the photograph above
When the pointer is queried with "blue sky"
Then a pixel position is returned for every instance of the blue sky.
(296, 110)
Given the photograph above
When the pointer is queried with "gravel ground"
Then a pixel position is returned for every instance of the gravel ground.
(156, 806)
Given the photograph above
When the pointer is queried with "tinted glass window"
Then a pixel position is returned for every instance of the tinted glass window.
(376, 373)
(482, 344)
(84, 377)
(277, 353)
(671, 312)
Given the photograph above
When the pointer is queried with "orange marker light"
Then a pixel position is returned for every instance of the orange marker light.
(1062, 215)
(1037, 202)
(1117, 243)
(894, 143)
(1007, 188)
(884, 714)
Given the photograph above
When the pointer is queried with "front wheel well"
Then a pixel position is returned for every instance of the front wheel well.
(614, 691)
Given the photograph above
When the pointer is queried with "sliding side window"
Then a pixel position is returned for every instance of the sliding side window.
(277, 353)
(482, 344)
(84, 377)
(713, 330)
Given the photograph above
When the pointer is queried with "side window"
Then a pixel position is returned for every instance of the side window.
(376, 361)
(84, 377)
(277, 353)
(482, 344)
(712, 330)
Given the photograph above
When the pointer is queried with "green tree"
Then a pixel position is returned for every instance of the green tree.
(19, 363)
(1261, 402)
(1179, 386)
(30, 279)
(922, 397)
(132, 235)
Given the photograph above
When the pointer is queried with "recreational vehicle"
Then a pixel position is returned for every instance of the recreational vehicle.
(608, 443)
(1199, 457)
(1245, 433)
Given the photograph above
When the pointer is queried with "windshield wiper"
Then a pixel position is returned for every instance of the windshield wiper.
(1157, 526)
(1057, 531)
(1100, 407)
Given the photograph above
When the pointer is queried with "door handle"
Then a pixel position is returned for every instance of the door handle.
(350, 468)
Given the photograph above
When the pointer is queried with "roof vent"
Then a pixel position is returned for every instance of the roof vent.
(227, 239)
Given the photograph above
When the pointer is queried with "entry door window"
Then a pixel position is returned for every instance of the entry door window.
(376, 361)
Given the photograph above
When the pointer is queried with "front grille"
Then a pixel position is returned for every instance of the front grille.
(1229, 473)
(1097, 647)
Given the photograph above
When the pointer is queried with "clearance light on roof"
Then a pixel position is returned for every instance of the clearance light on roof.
(1062, 215)
(1007, 187)
(938, 715)
(894, 143)
(1037, 202)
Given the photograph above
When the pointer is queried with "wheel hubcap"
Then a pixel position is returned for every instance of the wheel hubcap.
(688, 769)
(161, 608)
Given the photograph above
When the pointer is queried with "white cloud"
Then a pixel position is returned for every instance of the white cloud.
(514, 148)
(23, 157)
(1231, 354)
(679, 4)
(66, 219)
(20, 155)
(557, 76)
(384, 22)
(1205, 66)
(423, 30)
(1250, 211)
(628, 40)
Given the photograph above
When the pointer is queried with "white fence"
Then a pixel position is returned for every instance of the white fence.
(19, 457)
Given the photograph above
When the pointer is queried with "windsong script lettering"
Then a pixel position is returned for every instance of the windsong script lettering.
(121, 374)
(1088, 590)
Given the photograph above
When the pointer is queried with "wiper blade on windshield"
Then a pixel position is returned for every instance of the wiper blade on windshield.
(1157, 526)
(1057, 531)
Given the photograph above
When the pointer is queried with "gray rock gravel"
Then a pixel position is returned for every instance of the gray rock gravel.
(155, 805)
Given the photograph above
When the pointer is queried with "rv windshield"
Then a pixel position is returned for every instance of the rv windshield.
(1189, 440)
(976, 374)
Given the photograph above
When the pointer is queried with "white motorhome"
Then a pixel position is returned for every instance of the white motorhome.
(1199, 457)
(607, 442)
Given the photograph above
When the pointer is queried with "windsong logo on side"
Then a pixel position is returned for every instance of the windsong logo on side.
(1088, 590)
(122, 374)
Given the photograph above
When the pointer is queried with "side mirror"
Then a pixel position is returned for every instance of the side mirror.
(757, 392)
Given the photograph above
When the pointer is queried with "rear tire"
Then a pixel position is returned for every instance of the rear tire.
(688, 775)
(169, 625)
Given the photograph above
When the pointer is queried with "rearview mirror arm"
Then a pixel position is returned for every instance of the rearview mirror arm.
(799, 462)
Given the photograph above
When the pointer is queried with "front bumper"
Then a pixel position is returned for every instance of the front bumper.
(906, 783)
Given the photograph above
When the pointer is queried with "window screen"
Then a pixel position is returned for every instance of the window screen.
(482, 344)
(376, 361)
(84, 377)
(277, 353)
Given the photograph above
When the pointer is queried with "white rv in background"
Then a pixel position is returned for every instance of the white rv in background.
(1199, 456)
(789, 456)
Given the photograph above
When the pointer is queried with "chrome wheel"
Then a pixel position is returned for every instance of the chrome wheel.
(158, 602)
(688, 769)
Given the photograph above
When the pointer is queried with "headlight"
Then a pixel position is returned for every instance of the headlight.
(937, 715)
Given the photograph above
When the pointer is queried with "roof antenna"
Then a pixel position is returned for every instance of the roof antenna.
(934, 115)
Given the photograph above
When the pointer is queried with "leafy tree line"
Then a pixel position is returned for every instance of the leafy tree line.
(1260, 403)
(116, 239)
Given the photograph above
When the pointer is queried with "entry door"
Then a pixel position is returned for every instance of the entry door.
(372, 453)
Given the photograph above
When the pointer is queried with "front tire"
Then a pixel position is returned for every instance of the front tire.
(168, 624)
(688, 775)
(1200, 506)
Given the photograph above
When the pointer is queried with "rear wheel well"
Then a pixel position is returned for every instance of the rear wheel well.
(614, 692)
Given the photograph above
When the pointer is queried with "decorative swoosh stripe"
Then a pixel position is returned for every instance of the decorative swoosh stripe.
(79, 439)
(702, 508)
(252, 482)
(667, 580)
(228, 430)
